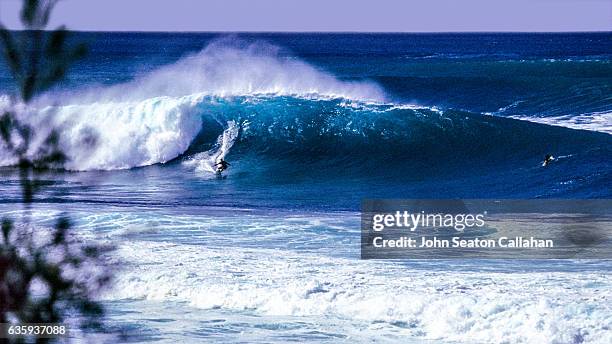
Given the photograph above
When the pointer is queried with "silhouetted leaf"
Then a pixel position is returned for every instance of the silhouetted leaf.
(57, 38)
(6, 125)
(7, 226)
(28, 87)
(46, 11)
(28, 11)
(11, 52)
(62, 226)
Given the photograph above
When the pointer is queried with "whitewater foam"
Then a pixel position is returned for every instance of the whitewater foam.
(458, 306)
(594, 121)
(247, 264)
(306, 265)
(116, 135)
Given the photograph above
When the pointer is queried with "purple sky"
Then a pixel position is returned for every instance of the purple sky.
(327, 15)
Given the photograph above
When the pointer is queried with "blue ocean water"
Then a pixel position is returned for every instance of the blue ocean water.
(311, 125)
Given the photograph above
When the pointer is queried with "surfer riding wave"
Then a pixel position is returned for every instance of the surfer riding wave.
(222, 165)
(213, 160)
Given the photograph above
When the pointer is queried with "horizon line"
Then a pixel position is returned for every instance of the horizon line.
(324, 32)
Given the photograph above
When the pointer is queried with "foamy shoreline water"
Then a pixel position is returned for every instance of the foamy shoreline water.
(297, 270)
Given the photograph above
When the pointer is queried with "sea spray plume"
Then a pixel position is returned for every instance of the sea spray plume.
(155, 117)
(227, 68)
(235, 68)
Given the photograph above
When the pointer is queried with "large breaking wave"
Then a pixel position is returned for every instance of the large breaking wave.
(154, 118)
(255, 101)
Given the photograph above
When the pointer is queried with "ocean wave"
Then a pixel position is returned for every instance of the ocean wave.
(154, 118)
(284, 108)
(266, 128)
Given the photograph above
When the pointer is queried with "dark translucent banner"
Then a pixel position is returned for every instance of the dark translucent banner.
(490, 229)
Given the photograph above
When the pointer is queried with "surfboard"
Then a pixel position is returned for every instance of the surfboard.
(219, 175)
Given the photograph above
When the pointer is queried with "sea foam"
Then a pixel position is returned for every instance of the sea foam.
(553, 307)
(306, 265)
